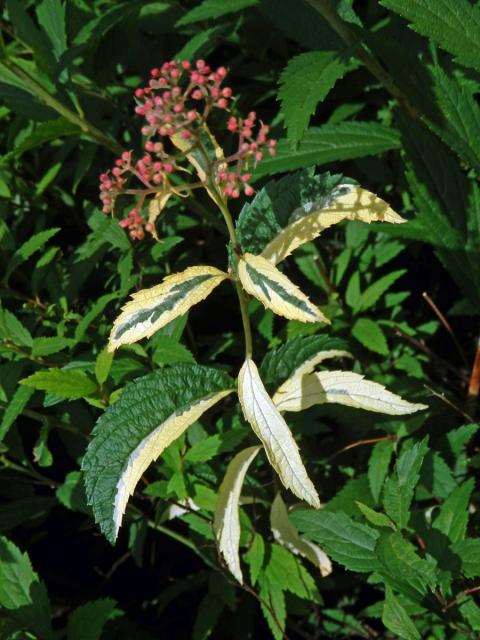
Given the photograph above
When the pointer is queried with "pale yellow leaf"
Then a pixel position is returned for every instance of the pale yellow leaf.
(155, 208)
(151, 309)
(286, 534)
(341, 387)
(275, 291)
(226, 522)
(307, 223)
(152, 447)
(273, 431)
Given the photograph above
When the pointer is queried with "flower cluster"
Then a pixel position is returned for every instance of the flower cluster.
(176, 105)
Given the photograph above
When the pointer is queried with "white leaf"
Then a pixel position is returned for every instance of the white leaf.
(307, 223)
(273, 431)
(275, 291)
(286, 534)
(340, 387)
(151, 309)
(226, 522)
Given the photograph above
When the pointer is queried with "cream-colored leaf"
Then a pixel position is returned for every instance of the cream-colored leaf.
(155, 208)
(152, 447)
(307, 223)
(341, 387)
(226, 522)
(286, 534)
(151, 309)
(275, 291)
(273, 431)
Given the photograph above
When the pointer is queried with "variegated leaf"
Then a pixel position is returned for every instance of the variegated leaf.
(307, 222)
(151, 309)
(226, 522)
(150, 414)
(340, 387)
(155, 208)
(273, 431)
(275, 291)
(286, 534)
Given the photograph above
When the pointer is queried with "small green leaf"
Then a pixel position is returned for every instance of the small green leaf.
(169, 351)
(28, 248)
(396, 619)
(204, 450)
(453, 517)
(63, 382)
(214, 9)
(370, 334)
(378, 467)
(469, 552)
(87, 622)
(51, 17)
(375, 291)
(254, 557)
(15, 407)
(46, 346)
(13, 330)
(103, 365)
(374, 517)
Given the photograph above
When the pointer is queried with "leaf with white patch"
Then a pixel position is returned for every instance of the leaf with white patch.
(151, 309)
(226, 522)
(275, 291)
(286, 534)
(345, 202)
(273, 431)
(151, 413)
(341, 387)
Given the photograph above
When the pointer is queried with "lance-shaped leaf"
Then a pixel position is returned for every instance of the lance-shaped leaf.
(226, 522)
(275, 291)
(273, 431)
(341, 387)
(286, 534)
(151, 309)
(308, 221)
(155, 208)
(151, 413)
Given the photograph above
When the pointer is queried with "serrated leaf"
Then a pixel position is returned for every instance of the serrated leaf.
(87, 621)
(469, 552)
(254, 557)
(208, 614)
(341, 387)
(378, 465)
(214, 9)
(275, 291)
(346, 202)
(63, 382)
(277, 439)
(452, 519)
(304, 83)
(14, 408)
(375, 291)
(13, 330)
(42, 133)
(103, 364)
(169, 351)
(285, 534)
(370, 334)
(299, 355)
(46, 346)
(396, 619)
(330, 143)
(29, 247)
(273, 606)
(151, 309)
(348, 542)
(226, 522)
(51, 17)
(151, 413)
(453, 26)
(288, 573)
(204, 450)
(375, 517)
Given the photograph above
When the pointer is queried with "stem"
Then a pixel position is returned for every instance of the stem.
(89, 129)
(474, 383)
(328, 10)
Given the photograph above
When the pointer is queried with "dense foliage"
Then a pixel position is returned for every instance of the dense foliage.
(155, 481)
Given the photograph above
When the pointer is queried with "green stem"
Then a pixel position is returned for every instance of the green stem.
(179, 538)
(88, 129)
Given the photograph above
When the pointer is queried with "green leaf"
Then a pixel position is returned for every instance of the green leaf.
(378, 465)
(13, 330)
(348, 542)
(204, 450)
(400, 487)
(402, 568)
(72, 493)
(375, 291)
(51, 17)
(21, 593)
(14, 408)
(103, 364)
(169, 351)
(273, 596)
(43, 132)
(304, 83)
(458, 438)
(330, 143)
(280, 363)
(152, 412)
(214, 9)
(453, 26)
(208, 614)
(471, 613)
(374, 517)
(254, 557)
(46, 346)
(33, 244)
(344, 500)
(29, 33)
(453, 517)
(396, 619)
(287, 572)
(370, 334)
(87, 622)
(63, 382)
(469, 552)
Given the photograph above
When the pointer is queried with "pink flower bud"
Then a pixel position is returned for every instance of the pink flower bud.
(222, 103)
(157, 178)
(116, 171)
(149, 227)
(123, 223)
(249, 191)
(235, 193)
(139, 93)
(169, 168)
(227, 92)
(155, 72)
(258, 156)
(197, 95)
(186, 65)
(186, 134)
(200, 64)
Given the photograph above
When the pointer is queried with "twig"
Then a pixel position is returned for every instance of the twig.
(360, 443)
(446, 324)
(474, 382)
(465, 592)
(442, 397)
